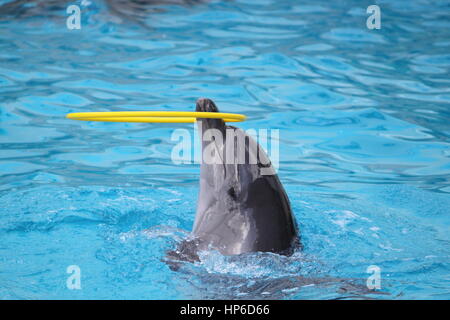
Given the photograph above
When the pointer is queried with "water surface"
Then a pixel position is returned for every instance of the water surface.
(364, 145)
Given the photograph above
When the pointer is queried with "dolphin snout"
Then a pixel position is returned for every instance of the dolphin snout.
(206, 105)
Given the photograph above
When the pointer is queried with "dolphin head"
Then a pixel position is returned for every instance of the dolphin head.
(207, 105)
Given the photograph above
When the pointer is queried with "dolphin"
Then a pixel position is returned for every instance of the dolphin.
(242, 207)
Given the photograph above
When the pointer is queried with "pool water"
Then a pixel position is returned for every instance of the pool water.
(364, 145)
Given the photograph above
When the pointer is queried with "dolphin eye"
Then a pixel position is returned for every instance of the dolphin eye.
(232, 193)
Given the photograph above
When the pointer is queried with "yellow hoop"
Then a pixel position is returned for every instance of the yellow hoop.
(154, 116)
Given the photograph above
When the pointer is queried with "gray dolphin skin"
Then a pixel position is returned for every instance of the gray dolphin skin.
(239, 210)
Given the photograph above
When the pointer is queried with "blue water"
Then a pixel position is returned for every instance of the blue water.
(364, 145)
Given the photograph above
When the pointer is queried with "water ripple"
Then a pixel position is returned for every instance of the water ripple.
(364, 144)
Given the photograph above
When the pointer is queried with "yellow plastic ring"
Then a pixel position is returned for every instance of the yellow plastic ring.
(155, 116)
